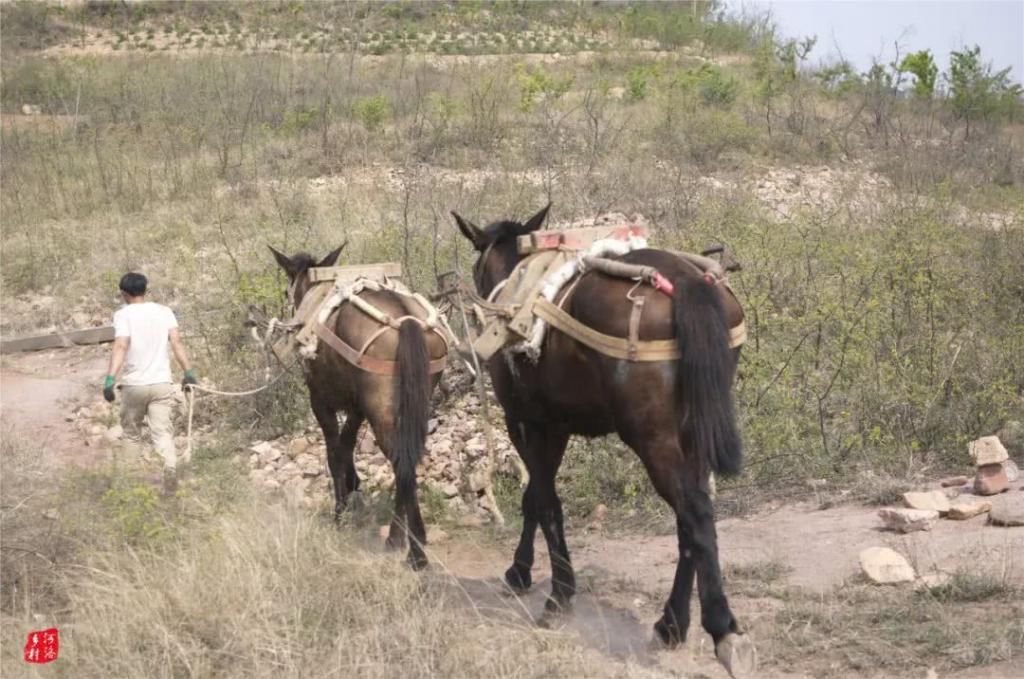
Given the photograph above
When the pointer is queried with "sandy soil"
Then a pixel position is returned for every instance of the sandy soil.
(38, 393)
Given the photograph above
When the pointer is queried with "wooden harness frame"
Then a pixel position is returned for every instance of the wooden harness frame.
(310, 328)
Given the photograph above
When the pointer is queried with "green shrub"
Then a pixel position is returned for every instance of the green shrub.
(372, 112)
(299, 119)
(134, 509)
(639, 80)
(536, 83)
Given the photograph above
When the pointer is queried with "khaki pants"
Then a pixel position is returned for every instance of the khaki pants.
(154, 405)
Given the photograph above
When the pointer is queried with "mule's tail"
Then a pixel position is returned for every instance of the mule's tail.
(412, 396)
(704, 376)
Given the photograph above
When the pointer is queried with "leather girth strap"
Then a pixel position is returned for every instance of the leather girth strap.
(370, 364)
(618, 347)
(634, 327)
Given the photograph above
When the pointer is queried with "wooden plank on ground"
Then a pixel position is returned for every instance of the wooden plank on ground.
(58, 339)
(375, 272)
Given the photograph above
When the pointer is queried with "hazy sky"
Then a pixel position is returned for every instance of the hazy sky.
(866, 29)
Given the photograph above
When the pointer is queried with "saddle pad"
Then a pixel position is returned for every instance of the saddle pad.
(520, 291)
(311, 302)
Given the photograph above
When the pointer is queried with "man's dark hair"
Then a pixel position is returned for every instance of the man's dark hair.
(133, 284)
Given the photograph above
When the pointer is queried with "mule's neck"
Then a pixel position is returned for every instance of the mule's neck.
(497, 261)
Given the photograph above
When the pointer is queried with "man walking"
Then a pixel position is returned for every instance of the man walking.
(142, 332)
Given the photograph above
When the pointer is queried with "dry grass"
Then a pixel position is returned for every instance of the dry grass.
(228, 585)
(897, 632)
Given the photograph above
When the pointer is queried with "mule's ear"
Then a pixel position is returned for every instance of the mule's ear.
(332, 256)
(284, 261)
(472, 232)
(535, 221)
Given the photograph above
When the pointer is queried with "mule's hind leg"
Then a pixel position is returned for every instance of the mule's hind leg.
(407, 521)
(665, 466)
(417, 535)
(734, 650)
(677, 480)
(715, 615)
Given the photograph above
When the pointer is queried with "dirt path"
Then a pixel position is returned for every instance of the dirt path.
(623, 578)
(38, 393)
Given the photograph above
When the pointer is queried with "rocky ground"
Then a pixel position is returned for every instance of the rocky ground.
(457, 466)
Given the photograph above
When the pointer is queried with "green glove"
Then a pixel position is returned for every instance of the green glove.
(108, 388)
(190, 378)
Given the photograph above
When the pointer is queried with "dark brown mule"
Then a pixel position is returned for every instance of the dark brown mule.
(397, 407)
(676, 415)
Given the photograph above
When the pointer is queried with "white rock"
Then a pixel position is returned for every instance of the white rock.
(478, 480)
(449, 490)
(987, 450)
(261, 447)
(885, 566)
(368, 444)
(270, 456)
(298, 447)
(271, 484)
(289, 469)
(1008, 513)
(966, 509)
(470, 521)
(114, 433)
(1012, 470)
(486, 504)
(935, 500)
(309, 465)
(908, 520)
(295, 488)
(254, 461)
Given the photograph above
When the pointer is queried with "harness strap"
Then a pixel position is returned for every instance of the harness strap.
(618, 347)
(634, 326)
(360, 360)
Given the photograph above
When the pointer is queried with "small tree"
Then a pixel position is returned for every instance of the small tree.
(922, 66)
(977, 93)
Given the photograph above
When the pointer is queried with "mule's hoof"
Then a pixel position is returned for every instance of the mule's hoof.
(418, 561)
(557, 606)
(518, 580)
(738, 655)
(394, 544)
(668, 634)
(554, 614)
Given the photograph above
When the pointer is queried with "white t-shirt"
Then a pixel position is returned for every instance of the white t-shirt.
(147, 326)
